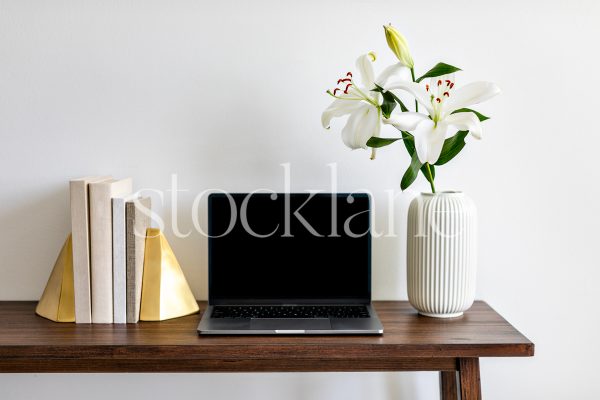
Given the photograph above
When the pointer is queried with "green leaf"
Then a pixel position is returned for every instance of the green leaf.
(400, 103)
(389, 97)
(388, 105)
(452, 146)
(439, 70)
(415, 164)
(409, 142)
(479, 115)
(376, 142)
(411, 173)
(426, 173)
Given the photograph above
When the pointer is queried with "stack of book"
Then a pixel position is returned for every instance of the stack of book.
(109, 231)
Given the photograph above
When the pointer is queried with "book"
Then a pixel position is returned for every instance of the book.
(80, 228)
(101, 194)
(137, 214)
(119, 264)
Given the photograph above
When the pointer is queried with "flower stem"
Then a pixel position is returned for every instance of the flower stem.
(430, 178)
(412, 73)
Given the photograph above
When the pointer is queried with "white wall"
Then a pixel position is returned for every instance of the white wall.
(221, 93)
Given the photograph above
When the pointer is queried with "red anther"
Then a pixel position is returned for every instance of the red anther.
(438, 100)
(451, 85)
(335, 90)
(349, 74)
(427, 88)
(347, 86)
(446, 94)
(448, 82)
(439, 82)
(344, 80)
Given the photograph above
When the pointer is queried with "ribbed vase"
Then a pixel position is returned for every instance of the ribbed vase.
(441, 254)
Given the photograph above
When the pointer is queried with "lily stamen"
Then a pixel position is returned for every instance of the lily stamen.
(445, 111)
(351, 89)
(349, 84)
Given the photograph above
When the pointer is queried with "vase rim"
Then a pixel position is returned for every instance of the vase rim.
(444, 193)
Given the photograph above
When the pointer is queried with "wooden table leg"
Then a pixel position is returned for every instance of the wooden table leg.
(470, 381)
(448, 386)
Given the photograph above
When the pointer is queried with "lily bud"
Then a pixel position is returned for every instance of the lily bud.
(398, 45)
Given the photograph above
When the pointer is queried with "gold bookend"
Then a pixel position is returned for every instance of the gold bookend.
(165, 291)
(58, 300)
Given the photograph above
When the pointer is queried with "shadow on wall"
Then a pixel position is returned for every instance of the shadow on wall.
(224, 386)
(385, 386)
(400, 386)
(31, 237)
(389, 250)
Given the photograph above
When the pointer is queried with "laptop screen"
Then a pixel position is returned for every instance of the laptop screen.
(289, 248)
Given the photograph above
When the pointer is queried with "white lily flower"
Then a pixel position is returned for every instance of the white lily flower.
(440, 99)
(360, 102)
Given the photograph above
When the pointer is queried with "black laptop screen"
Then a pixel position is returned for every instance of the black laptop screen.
(289, 248)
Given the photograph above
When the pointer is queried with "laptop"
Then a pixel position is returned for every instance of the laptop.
(289, 263)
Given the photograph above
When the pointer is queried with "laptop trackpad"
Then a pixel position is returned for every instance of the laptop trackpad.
(290, 324)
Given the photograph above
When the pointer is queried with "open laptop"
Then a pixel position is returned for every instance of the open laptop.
(293, 263)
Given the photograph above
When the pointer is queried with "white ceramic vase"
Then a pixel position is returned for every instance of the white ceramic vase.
(441, 254)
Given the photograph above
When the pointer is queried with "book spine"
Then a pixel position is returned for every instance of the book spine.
(141, 225)
(101, 252)
(138, 221)
(81, 250)
(132, 317)
(119, 268)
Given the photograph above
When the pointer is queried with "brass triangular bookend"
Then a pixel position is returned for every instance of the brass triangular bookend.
(165, 291)
(58, 300)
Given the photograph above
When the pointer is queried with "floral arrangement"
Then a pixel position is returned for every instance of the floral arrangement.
(432, 138)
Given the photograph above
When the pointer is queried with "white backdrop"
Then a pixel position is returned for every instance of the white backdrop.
(221, 93)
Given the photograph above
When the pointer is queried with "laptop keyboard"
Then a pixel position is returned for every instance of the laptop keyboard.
(290, 312)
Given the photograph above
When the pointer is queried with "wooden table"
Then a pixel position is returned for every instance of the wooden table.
(29, 343)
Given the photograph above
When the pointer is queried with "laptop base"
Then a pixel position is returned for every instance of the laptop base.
(290, 326)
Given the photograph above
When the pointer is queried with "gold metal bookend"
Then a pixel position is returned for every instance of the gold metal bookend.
(165, 291)
(58, 300)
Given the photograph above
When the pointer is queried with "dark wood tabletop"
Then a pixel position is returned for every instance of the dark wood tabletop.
(29, 343)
